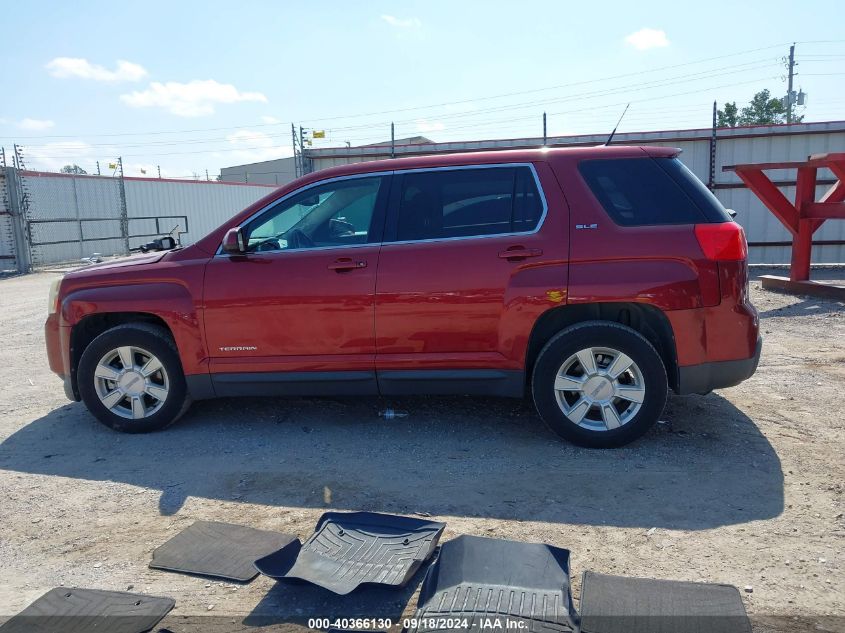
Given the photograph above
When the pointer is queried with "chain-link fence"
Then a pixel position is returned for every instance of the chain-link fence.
(51, 218)
(71, 217)
(8, 252)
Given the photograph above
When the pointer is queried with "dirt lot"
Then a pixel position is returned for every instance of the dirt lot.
(744, 486)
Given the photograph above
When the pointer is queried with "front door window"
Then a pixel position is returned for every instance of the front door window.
(335, 214)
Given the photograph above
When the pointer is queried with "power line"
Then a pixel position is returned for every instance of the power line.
(657, 83)
(668, 81)
(424, 107)
(466, 126)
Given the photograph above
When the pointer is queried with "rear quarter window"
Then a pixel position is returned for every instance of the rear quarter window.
(650, 191)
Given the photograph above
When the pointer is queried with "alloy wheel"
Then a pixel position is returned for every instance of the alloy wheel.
(131, 382)
(599, 388)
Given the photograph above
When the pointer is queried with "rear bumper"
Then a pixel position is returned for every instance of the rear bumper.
(705, 377)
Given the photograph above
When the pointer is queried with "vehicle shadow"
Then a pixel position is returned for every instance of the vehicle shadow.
(707, 466)
(297, 603)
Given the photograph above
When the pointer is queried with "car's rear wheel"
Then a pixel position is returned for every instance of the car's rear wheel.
(599, 384)
(130, 377)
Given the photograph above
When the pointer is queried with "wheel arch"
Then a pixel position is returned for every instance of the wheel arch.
(166, 303)
(646, 319)
(92, 325)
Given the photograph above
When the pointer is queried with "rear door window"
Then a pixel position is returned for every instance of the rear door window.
(648, 191)
(467, 202)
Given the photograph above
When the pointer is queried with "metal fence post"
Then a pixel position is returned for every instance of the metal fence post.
(711, 177)
(124, 213)
(78, 217)
(23, 256)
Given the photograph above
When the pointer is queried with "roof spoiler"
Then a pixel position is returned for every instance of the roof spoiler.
(661, 151)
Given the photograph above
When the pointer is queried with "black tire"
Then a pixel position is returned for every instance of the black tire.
(158, 342)
(597, 334)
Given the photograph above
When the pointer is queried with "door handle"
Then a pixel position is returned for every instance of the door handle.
(516, 253)
(344, 264)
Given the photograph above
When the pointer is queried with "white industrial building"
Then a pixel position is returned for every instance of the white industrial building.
(768, 239)
(71, 216)
(281, 171)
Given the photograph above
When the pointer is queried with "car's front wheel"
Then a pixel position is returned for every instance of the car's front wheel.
(599, 384)
(130, 377)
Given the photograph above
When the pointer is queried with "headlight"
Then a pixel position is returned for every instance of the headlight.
(53, 298)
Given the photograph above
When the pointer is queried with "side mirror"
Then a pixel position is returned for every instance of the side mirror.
(731, 212)
(166, 243)
(234, 242)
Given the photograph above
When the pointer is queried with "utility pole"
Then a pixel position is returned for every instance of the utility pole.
(159, 171)
(544, 129)
(206, 175)
(789, 98)
(392, 141)
(98, 168)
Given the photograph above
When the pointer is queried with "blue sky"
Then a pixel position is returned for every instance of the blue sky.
(195, 86)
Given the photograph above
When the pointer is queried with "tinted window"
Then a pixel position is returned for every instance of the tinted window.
(467, 202)
(695, 189)
(334, 214)
(641, 191)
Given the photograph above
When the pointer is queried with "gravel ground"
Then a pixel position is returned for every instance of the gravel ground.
(743, 486)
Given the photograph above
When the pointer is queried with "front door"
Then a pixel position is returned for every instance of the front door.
(296, 313)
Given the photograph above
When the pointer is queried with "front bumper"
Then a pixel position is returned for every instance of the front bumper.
(706, 377)
(57, 337)
(69, 392)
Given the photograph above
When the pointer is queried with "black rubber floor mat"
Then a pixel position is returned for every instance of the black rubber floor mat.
(70, 610)
(349, 549)
(483, 584)
(613, 604)
(220, 550)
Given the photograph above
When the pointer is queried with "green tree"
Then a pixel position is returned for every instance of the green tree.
(727, 117)
(73, 169)
(763, 109)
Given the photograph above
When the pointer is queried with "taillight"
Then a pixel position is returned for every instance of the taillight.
(722, 242)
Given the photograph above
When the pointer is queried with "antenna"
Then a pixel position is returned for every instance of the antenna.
(610, 138)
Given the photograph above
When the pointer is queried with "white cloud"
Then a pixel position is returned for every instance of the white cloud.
(192, 99)
(52, 156)
(424, 126)
(35, 124)
(402, 23)
(65, 67)
(270, 120)
(251, 147)
(645, 39)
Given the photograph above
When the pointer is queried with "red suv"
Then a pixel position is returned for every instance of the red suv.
(593, 279)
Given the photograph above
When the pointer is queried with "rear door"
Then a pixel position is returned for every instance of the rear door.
(446, 309)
